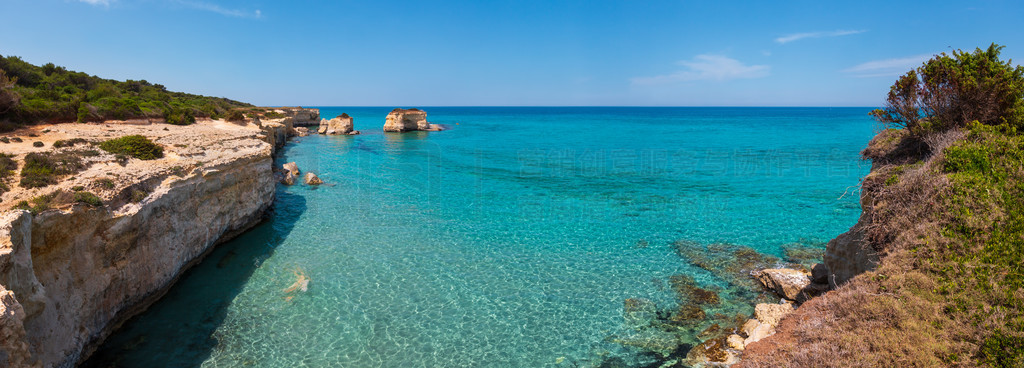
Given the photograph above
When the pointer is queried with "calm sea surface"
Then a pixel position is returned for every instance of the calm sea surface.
(510, 240)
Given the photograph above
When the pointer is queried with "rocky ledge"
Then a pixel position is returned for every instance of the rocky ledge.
(74, 266)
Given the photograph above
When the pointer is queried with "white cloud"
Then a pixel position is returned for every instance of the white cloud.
(887, 67)
(707, 67)
(216, 9)
(800, 36)
(97, 2)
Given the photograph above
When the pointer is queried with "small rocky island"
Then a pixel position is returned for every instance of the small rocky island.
(407, 120)
(342, 124)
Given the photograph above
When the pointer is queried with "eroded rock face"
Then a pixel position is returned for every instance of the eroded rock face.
(406, 120)
(849, 255)
(340, 125)
(96, 266)
(785, 282)
(14, 348)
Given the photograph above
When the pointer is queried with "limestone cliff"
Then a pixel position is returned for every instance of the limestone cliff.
(70, 275)
(405, 120)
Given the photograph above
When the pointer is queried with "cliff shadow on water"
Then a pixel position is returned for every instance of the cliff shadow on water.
(183, 323)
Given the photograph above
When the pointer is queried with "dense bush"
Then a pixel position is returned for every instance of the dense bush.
(30, 93)
(949, 91)
(7, 168)
(135, 146)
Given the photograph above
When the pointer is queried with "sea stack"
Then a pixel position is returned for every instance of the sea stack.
(342, 124)
(406, 120)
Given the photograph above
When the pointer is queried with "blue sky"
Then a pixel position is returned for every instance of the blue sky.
(476, 52)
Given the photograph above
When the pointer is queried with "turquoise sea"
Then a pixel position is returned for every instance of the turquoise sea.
(510, 240)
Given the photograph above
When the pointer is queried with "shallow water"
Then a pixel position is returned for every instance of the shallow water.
(510, 240)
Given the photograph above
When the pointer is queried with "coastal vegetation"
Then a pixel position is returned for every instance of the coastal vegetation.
(45, 168)
(947, 217)
(136, 146)
(50, 93)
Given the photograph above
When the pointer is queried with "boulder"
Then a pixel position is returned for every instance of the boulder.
(405, 120)
(312, 179)
(291, 167)
(757, 333)
(735, 342)
(354, 132)
(770, 314)
(301, 131)
(785, 282)
(289, 178)
(340, 125)
(819, 273)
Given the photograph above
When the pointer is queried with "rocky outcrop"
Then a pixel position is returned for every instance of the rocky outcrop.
(291, 167)
(850, 254)
(406, 120)
(69, 275)
(311, 179)
(342, 124)
(275, 132)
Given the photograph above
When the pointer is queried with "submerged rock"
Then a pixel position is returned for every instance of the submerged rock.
(687, 290)
(712, 351)
(639, 312)
(652, 340)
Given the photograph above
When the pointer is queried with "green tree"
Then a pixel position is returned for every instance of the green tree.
(950, 91)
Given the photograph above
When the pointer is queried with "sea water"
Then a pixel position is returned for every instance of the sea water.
(511, 239)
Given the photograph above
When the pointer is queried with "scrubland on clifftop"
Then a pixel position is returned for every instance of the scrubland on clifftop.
(943, 209)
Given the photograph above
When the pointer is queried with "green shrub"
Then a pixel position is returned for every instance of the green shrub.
(37, 144)
(68, 143)
(88, 198)
(235, 115)
(135, 146)
(273, 115)
(105, 183)
(7, 167)
(44, 168)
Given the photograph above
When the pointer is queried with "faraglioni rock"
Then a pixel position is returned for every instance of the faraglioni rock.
(342, 124)
(407, 120)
